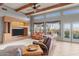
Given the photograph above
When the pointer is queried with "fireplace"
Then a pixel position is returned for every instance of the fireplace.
(16, 32)
(19, 31)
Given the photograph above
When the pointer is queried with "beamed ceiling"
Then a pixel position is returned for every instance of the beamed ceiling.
(27, 9)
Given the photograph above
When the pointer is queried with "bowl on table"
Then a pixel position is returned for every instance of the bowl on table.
(32, 48)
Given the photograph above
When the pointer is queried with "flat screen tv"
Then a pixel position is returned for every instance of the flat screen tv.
(16, 32)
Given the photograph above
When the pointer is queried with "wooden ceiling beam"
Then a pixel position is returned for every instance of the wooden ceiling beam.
(24, 7)
(48, 8)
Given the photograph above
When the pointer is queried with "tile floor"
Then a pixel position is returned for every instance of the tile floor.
(20, 42)
(61, 48)
(66, 49)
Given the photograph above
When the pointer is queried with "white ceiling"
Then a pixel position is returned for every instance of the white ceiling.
(42, 5)
(64, 7)
(10, 12)
(14, 5)
(29, 9)
(18, 5)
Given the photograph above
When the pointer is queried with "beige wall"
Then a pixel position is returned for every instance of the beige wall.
(10, 19)
(14, 23)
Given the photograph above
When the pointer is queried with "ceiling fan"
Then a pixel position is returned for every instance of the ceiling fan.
(35, 7)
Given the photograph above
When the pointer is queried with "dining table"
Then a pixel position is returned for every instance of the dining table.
(32, 50)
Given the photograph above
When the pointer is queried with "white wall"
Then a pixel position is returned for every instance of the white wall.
(70, 18)
(1, 29)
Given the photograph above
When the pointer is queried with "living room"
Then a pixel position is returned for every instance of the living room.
(39, 29)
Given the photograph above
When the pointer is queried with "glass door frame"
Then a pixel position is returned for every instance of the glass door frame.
(59, 26)
(74, 40)
(38, 23)
(70, 31)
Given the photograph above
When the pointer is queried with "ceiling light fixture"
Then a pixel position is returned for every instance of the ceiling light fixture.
(35, 7)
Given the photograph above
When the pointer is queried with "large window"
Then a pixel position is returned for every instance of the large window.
(53, 27)
(55, 14)
(76, 11)
(39, 27)
(39, 17)
(71, 32)
(67, 30)
(48, 15)
(75, 30)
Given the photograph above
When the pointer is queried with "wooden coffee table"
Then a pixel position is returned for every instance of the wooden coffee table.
(37, 52)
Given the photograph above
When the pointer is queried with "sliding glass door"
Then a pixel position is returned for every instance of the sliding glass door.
(38, 27)
(54, 28)
(71, 32)
(67, 32)
(49, 27)
(75, 32)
